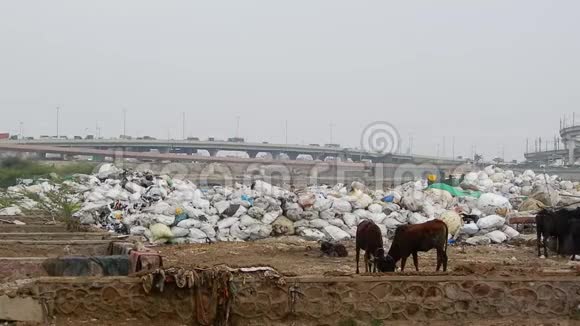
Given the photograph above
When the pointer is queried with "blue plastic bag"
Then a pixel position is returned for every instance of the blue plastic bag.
(389, 199)
(248, 199)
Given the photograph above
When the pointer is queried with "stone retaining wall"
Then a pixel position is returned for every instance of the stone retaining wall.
(324, 300)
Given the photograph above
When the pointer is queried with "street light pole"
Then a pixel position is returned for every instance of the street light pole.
(331, 125)
(286, 131)
(57, 121)
(124, 123)
(21, 135)
(453, 147)
(183, 126)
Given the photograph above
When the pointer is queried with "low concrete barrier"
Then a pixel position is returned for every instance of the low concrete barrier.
(345, 300)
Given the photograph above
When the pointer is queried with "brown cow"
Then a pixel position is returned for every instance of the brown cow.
(410, 239)
(370, 239)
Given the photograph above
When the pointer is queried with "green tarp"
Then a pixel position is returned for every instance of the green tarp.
(454, 191)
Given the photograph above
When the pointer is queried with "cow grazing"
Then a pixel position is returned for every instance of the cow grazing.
(370, 239)
(333, 249)
(410, 239)
(560, 223)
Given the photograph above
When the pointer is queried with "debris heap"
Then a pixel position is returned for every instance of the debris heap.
(169, 210)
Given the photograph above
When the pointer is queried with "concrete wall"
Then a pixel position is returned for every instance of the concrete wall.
(382, 300)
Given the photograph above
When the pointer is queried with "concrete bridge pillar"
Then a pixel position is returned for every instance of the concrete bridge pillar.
(212, 152)
(253, 154)
(571, 146)
(275, 155)
(293, 156)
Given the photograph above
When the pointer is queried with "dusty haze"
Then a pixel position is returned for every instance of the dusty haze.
(489, 73)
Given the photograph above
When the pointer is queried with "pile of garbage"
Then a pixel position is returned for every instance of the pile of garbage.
(168, 210)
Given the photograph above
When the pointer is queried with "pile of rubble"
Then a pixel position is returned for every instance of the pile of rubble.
(167, 210)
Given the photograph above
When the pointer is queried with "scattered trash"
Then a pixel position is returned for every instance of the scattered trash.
(169, 210)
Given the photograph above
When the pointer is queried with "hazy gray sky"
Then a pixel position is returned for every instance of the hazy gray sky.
(489, 73)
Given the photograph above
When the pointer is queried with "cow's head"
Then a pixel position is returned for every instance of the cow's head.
(384, 263)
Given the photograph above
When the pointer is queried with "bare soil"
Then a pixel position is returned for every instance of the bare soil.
(293, 256)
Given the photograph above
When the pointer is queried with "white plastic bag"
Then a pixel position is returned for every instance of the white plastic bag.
(239, 233)
(350, 219)
(310, 234)
(137, 230)
(196, 234)
(322, 204)
(271, 216)
(189, 223)
(246, 221)
(319, 223)
(179, 232)
(227, 222)
(164, 219)
(497, 236)
(510, 232)
(375, 208)
(469, 229)
(489, 203)
(256, 212)
(259, 231)
(342, 206)
(335, 233)
(417, 218)
(478, 240)
(491, 222)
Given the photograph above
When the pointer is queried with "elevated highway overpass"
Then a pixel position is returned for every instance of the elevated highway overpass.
(570, 136)
(187, 147)
(217, 169)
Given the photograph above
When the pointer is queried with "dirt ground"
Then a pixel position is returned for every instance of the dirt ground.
(292, 256)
